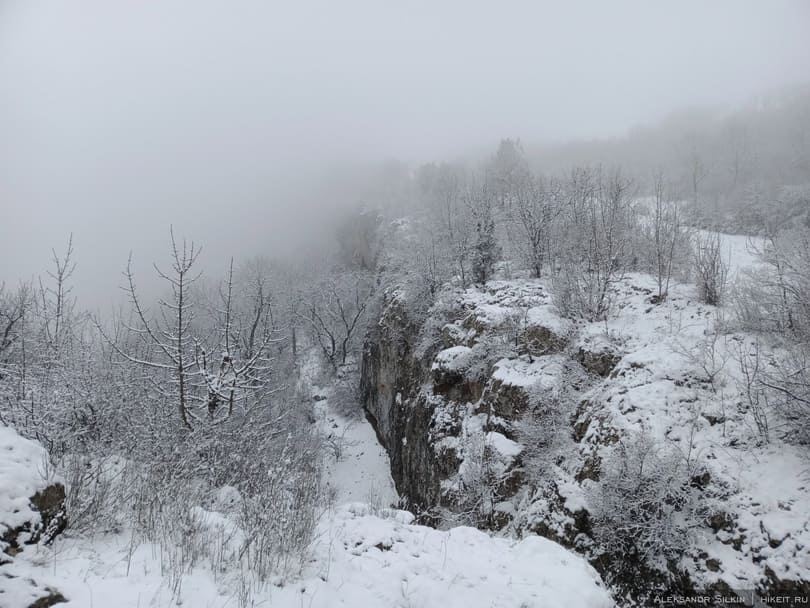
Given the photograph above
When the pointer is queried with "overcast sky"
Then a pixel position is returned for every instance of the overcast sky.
(119, 117)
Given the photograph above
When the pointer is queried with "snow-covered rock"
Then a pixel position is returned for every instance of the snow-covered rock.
(31, 499)
(663, 369)
(31, 511)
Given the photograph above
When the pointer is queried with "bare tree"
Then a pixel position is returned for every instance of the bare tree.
(776, 300)
(55, 305)
(457, 224)
(167, 342)
(666, 234)
(334, 312)
(13, 308)
(533, 217)
(778, 295)
(596, 233)
(698, 173)
(236, 361)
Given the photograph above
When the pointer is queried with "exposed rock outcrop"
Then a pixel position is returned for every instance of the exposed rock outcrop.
(444, 395)
(449, 397)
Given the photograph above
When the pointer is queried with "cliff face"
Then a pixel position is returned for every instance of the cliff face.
(444, 397)
(390, 379)
(499, 413)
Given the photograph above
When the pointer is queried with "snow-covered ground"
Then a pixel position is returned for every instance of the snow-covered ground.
(357, 469)
(359, 559)
(364, 553)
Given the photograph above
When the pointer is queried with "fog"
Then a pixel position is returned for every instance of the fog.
(230, 120)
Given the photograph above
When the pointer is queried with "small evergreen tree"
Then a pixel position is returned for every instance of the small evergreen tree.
(486, 250)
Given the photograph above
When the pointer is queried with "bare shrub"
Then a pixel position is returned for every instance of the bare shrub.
(98, 492)
(266, 532)
(755, 394)
(335, 311)
(665, 237)
(711, 268)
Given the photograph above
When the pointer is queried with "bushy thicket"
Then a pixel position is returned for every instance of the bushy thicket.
(150, 418)
(584, 230)
(773, 300)
(645, 503)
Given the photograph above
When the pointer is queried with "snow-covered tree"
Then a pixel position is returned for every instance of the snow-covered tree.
(597, 224)
(666, 236)
(486, 250)
(334, 311)
(533, 219)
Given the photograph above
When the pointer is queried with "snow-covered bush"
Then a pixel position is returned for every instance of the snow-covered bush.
(276, 475)
(475, 496)
(774, 299)
(544, 430)
(711, 268)
(98, 490)
(644, 504)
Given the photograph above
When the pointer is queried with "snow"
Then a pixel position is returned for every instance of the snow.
(453, 359)
(360, 470)
(503, 445)
(363, 554)
(508, 301)
(549, 317)
(359, 559)
(737, 250)
(677, 381)
(541, 372)
(362, 473)
(772, 506)
(367, 553)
